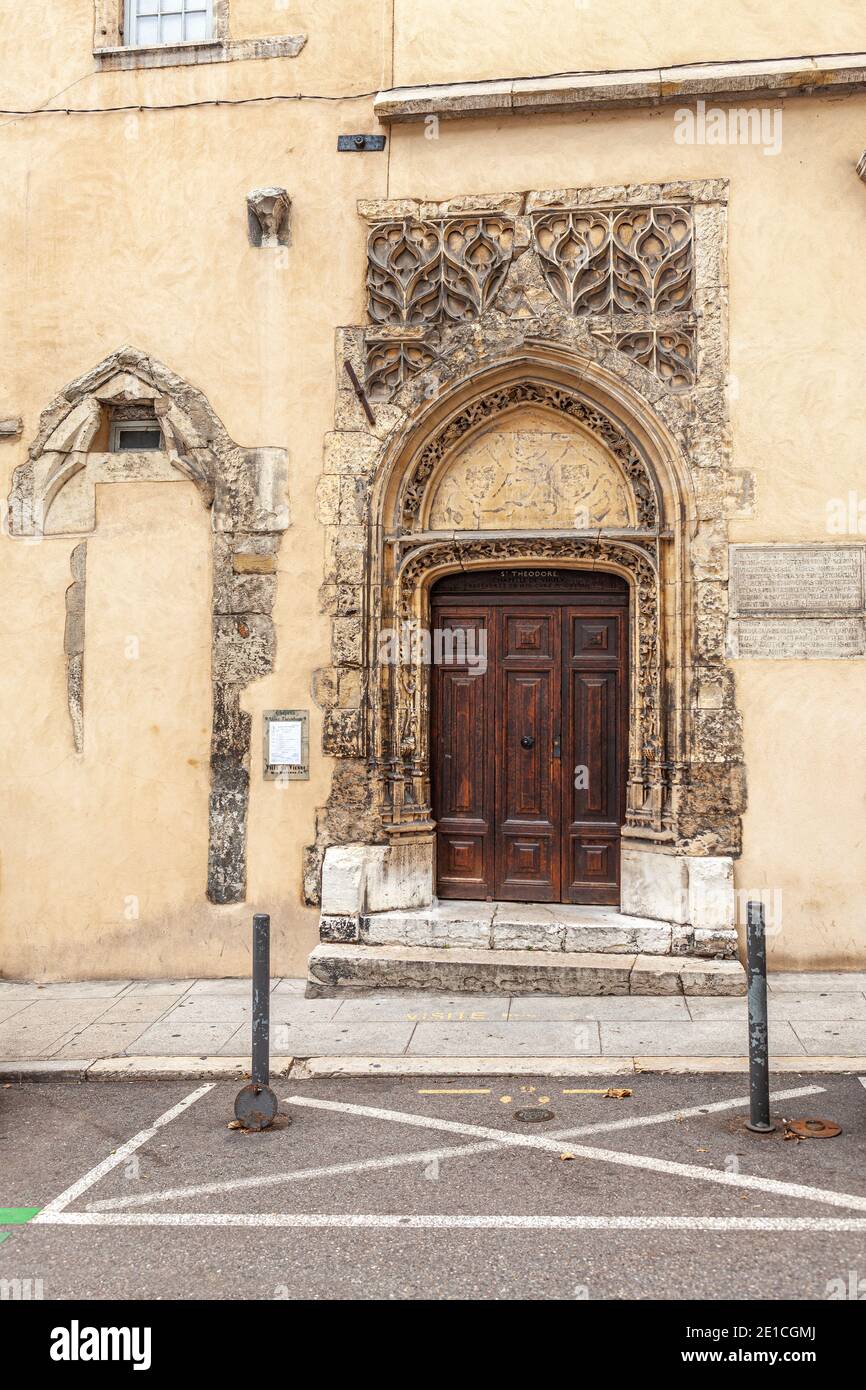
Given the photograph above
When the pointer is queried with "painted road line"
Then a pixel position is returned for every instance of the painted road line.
(507, 1221)
(664, 1116)
(418, 1156)
(17, 1216)
(626, 1160)
(448, 1091)
(78, 1188)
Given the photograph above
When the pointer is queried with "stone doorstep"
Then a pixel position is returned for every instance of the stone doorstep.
(534, 927)
(336, 967)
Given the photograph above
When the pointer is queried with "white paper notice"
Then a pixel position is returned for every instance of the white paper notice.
(284, 743)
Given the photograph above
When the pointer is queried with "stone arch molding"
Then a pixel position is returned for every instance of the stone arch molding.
(54, 495)
(523, 350)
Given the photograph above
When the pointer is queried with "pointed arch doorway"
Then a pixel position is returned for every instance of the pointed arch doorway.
(529, 733)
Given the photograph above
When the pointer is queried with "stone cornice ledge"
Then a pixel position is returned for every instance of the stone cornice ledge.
(835, 74)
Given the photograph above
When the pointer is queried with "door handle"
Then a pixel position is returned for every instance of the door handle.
(527, 741)
(557, 746)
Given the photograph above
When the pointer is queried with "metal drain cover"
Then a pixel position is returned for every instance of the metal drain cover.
(814, 1129)
(534, 1117)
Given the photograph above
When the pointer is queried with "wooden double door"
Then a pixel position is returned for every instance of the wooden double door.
(529, 734)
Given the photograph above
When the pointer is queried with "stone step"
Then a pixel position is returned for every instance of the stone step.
(335, 967)
(532, 927)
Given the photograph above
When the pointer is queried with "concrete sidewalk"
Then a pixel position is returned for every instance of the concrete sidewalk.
(149, 1027)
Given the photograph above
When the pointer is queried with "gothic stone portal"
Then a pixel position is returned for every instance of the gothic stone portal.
(522, 419)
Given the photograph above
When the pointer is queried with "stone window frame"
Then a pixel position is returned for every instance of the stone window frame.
(113, 55)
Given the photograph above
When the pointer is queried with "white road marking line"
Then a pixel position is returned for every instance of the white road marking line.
(627, 1160)
(442, 1221)
(423, 1155)
(862, 1080)
(57, 1205)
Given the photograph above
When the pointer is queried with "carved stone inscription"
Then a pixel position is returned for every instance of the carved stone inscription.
(796, 579)
(797, 638)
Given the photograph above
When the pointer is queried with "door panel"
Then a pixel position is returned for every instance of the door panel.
(594, 779)
(528, 794)
(463, 791)
(514, 821)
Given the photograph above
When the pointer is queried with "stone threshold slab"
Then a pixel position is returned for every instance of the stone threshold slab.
(509, 926)
(335, 967)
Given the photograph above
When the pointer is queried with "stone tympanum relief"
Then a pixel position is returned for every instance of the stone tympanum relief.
(531, 475)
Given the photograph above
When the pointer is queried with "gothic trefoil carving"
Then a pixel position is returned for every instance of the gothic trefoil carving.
(626, 271)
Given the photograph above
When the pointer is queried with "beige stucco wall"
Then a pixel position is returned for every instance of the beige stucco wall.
(132, 228)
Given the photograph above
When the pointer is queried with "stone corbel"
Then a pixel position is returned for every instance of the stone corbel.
(268, 216)
(11, 427)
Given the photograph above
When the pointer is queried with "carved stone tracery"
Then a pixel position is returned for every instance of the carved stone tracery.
(627, 271)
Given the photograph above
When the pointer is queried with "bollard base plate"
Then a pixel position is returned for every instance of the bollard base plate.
(760, 1128)
(255, 1106)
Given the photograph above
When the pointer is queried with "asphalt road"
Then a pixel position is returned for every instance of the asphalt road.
(53, 1135)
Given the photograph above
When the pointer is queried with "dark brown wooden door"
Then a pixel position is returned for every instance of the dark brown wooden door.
(529, 736)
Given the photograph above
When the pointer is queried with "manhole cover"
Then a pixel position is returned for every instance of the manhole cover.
(533, 1117)
(814, 1129)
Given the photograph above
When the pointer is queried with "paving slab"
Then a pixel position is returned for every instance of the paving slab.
(690, 1039)
(815, 981)
(422, 1007)
(81, 989)
(10, 1007)
(177, 987)
(98, 1040)
(810, 1008)
(310, 1039)
(505, 1039)
(211, 1008)
(843, 1039)
(34, 1030)
(166, 1037)
(609, 1006)
(133, 1008)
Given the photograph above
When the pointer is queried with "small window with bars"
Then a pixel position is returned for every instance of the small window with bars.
(153, 22)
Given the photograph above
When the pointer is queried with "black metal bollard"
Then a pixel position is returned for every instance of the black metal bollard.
(261, 1069)
(759, 1046)
(256, 1104)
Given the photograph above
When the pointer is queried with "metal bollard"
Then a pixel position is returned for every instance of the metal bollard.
(759, 1047)
(256, 1104)
(261, 1069)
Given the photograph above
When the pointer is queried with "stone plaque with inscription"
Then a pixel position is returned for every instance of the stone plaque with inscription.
(774, 639)
(796, 602)
(796, 579)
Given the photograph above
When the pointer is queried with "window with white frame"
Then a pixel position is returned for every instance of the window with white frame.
(152, 22)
